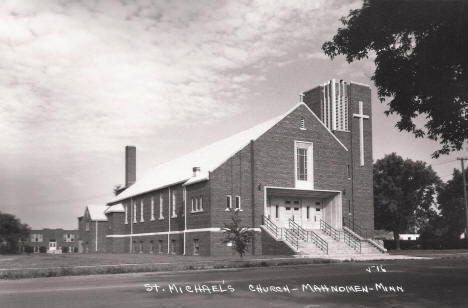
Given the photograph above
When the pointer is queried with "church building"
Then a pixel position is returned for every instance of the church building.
(301, 181)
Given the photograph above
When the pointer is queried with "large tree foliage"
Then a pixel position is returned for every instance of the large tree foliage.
(421, 58)
(404, 194)
(11, 231)
(237, 234)
(451, 205)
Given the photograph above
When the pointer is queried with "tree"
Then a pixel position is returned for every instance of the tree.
(11, 232)
(421, 58)
(452, 206)
(404, 194)
(236, 234)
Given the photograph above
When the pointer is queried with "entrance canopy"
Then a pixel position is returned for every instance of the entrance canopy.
(300, 193)
(306, 207)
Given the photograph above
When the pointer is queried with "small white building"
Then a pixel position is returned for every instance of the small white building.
(409, 237)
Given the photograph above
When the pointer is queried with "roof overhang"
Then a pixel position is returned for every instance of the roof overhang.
(300, 193)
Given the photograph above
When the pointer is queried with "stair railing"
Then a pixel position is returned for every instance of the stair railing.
(351, 240)
(327, 229)
(361, 231)
(298, 230)
(291, 237)
(270, 225)
(317, 241)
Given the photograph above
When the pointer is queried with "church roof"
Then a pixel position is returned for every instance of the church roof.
(116, 208)
(207, 158)
(96, 212)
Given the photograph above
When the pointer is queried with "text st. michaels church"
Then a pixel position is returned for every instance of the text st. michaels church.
(301, 181)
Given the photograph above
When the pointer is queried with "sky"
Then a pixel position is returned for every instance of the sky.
(79, 80)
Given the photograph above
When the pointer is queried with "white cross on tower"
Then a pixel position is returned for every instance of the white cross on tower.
(361, 117)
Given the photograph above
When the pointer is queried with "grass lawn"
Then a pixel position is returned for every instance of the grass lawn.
(61, 260)
(444, 253)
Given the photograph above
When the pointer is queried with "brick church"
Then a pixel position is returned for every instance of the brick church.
(301, 181)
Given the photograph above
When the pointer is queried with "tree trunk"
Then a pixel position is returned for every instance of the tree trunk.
(396, 237)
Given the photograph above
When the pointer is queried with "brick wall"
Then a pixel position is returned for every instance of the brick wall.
(363, 179)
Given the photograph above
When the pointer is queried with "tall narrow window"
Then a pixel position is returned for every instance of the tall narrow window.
(228, 202)
(174, 203)
(173, 247)
(152, 208)
(193, 204)
(160, 246)
(126, 214)
(348, 171)
(196, 247)
(301, 164)
(196, 204)
(276, 211)
(308, 212)
(142, 219)
(238, 203)
(151, 247)
(134, 212)
(200, 203)
(303, 159)
(161, 207)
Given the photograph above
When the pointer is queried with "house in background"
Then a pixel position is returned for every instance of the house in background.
(50, 241)
(92, 229)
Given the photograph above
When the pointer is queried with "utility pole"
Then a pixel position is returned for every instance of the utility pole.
(462, 159)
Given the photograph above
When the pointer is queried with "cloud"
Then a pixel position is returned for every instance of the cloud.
(130, 67)
(85, 76)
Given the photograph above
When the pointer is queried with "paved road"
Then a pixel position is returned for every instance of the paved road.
(425, 283)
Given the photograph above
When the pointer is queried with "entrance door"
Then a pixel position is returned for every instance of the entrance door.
(52, 246)
(317, 214)
(296, 214)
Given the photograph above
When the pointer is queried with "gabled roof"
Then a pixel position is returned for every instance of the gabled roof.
(116, 208)
(96, 212)
(207, 158)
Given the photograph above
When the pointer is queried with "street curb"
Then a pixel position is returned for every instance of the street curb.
(21, 273)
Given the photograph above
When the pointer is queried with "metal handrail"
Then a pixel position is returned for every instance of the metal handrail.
(270, 225)
(327, 229)
(351, 240)
(317, 241)
(291, 238)
(300, 232)
(358, 229)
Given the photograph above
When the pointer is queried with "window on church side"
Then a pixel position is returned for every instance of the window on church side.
(152, 208)
(276, 211)
(228, 202)
(142, 219)
(160, 246)
(200, 204)
(134, 212)
(161, 207)
(238, 203)
(87, 226)
(301, 164)
(196, 247)
(126, 214)
(308, 212)
(174, 203)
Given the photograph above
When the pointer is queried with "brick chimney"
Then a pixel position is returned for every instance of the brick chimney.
(130, 165)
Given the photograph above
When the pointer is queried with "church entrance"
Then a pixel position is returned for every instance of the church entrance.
(305, 207)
